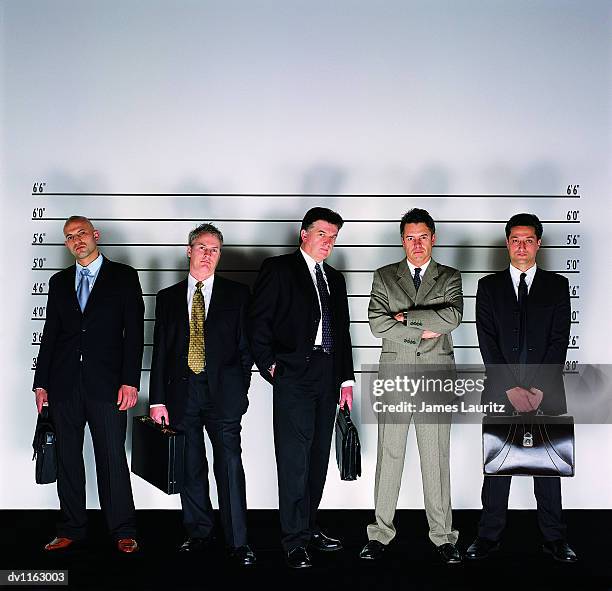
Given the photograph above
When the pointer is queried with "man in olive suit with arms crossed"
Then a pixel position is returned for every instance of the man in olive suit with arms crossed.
(414, 306)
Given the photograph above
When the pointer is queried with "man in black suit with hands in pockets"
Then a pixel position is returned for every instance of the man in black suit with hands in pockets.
(299, 334)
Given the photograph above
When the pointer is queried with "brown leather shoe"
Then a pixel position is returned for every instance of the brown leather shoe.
(127, 545)
(59, 544)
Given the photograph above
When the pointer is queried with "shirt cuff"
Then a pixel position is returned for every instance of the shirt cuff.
(154, 405)
(348, 383)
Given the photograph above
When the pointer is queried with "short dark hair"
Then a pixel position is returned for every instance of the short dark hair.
(525, 219)
(205, 229)
(320, 213)
(417, 216)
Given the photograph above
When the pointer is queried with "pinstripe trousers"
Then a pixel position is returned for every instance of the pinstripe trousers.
(107, 425)
(433, 441)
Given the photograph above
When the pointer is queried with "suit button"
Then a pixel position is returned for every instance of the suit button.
(83, 330)
(418, 354)
(515, 348)
(405, 340)
(184, 378)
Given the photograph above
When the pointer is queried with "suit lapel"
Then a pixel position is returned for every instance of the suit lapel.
(537, 291)
(215, 298)
(404, 279)
(180, 305)
(305, 279)
(428, 281)
(67, 284)
(508, 292)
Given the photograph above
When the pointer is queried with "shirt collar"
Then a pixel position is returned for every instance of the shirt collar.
(310, 261)
(516, 274)
(423, 267)
(93, 267)
(206, 285)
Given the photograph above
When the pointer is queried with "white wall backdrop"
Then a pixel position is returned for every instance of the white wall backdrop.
(439, 104)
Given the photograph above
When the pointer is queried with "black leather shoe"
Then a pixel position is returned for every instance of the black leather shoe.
(298, 558)
(449, 554)
(323, 543)
(194, 545)
(560, 551)
(481, 548)
(373, 550)
(242, 556)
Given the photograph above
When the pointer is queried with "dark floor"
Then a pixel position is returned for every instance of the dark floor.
(410, 563)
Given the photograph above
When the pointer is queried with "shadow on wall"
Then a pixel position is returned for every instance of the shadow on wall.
(433, 179)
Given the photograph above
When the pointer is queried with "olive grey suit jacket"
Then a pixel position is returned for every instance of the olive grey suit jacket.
(438, 306)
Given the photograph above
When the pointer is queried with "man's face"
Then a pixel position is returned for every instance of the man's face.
(204, 254)
(418, 241)
(81, 239)
(319, 240)
(523, 246)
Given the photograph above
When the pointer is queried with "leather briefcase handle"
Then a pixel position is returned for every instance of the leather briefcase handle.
(162, 427)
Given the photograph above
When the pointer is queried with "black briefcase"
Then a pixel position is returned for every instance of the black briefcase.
(158, 454)
(528, 445)
(45, 452)
(348, 448)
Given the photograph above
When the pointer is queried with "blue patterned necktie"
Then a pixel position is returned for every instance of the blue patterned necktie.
(417, 278)
(328, 337)
(83, 289)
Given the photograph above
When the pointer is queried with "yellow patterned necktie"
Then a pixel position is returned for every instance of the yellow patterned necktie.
(197, 353)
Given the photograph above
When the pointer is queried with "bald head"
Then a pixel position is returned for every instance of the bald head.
(81, 239)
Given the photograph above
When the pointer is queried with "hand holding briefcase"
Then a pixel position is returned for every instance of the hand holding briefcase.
(348, 448)
(528, 445)
(158, 454)
(45, 452)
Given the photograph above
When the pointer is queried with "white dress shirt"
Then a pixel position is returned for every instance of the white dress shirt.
(516, 277)
(319, 337)
(423, 268)
(207, 288)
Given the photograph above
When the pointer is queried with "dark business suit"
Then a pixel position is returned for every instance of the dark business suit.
(283, 320)
(216, 399)
(544, 349)
(84, 358)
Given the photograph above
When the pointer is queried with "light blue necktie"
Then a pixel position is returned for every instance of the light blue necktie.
(83, 289)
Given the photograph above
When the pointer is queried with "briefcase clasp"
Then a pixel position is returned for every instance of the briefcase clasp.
(528, 439)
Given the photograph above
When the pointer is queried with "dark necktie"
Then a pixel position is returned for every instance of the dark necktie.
(417, 278)
(328, 337)
(197, 353)
(522, 302)
(83, 289)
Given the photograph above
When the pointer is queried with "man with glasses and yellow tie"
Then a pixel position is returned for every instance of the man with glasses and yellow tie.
(200, 376)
